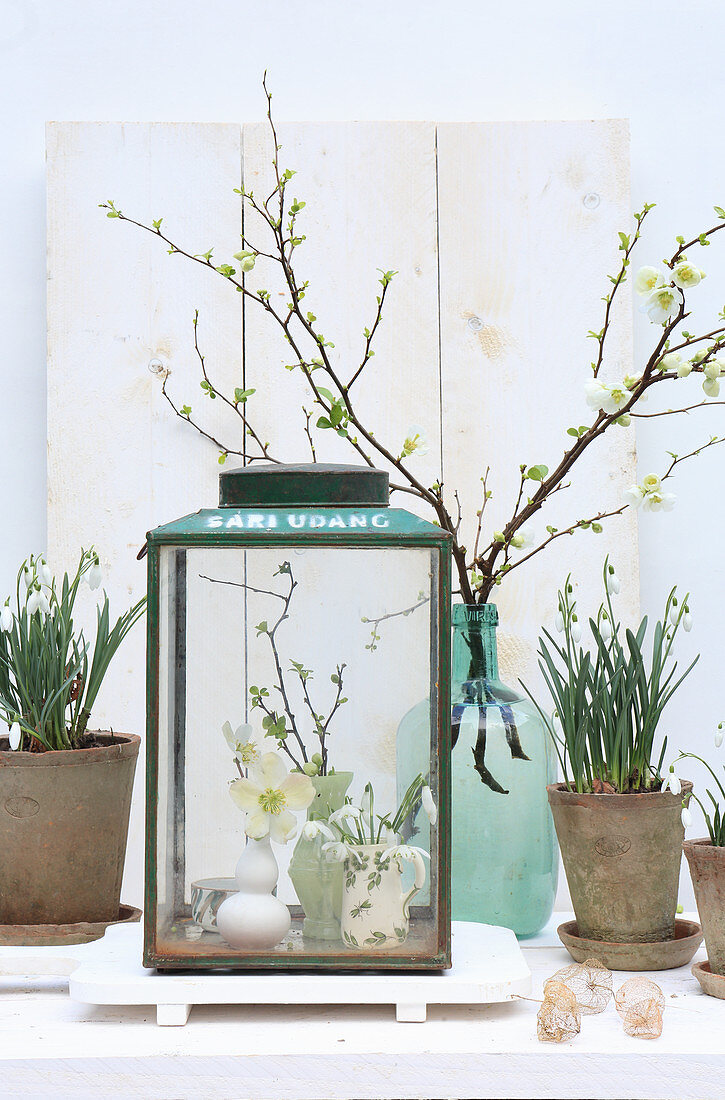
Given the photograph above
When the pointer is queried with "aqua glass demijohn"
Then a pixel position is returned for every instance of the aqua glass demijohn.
(504, 858)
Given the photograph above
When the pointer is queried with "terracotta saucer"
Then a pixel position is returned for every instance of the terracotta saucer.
(666, 955)
(58, 935)
(712, 984)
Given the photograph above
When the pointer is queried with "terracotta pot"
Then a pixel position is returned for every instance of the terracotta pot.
(622, 856)
(63, 830)
(707, 870)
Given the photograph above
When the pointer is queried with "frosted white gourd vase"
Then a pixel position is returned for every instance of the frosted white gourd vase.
(253, 919)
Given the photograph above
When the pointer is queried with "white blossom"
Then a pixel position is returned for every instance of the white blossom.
(605, 629)
(576, 631)
(686, 817)
(712, 370)
(44, 573)
(672, 782)
(686, 275)
(6, 617)
(711, 387)
(404, 851)
(33, 603)
(648, 279)
(662, 304)
(336, 851)
(415, 442)
(345, 814)
(719, 734)
(684, 368)
(313, 829)
(687, 622)
(523, 538)
(634, 496)
(94, 576)
(610, 397)
(671, 361)
(658, 502)
(613, 582)
(15, 736)
(429, 806)
(559, 622)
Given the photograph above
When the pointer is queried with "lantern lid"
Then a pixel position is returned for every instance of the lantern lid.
(274, 485)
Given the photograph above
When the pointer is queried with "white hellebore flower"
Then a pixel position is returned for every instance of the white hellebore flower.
(686, 275)
(429, 806)
(6, 617)
(719, 734)
(94, 576)
(662, 303)
(524, 537)
(269, 796)
(648, 279)
(686, 817)
(658, 502)
(15, 736)
(634, 496)
(311, 830)
(239, 741)
(415, 442)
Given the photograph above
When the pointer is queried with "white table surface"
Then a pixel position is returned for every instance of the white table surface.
(51, 1046)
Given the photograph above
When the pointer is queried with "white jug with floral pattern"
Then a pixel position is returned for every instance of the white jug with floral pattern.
(375, 907)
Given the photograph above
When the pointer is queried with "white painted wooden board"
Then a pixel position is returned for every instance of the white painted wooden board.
(483, 221)
(488, 967)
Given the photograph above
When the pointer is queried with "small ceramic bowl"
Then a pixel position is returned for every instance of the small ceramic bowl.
(207, 894)
(665, 955)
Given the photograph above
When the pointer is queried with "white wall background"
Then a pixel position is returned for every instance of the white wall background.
(416, 59)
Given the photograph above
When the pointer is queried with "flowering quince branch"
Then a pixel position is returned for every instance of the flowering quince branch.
(663, 292)
(280, 725)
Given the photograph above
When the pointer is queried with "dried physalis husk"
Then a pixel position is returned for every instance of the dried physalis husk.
(590, 982)
(559, 1019)
(640, 1002)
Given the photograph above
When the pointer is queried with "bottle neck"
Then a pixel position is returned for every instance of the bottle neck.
(475, 656)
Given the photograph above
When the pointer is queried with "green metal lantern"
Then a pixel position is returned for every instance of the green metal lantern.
(289, 632)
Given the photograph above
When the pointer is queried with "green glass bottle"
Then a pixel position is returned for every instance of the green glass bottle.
(505, 858)
(504, 854)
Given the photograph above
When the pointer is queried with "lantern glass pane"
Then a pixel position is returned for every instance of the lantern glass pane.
(318, 654)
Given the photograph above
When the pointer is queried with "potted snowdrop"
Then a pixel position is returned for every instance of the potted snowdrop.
(270, 795)
(375, 902)
(706, 859)
(617, 815)
(65, 787)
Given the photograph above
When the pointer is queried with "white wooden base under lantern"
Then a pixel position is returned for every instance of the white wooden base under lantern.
(488, 967)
